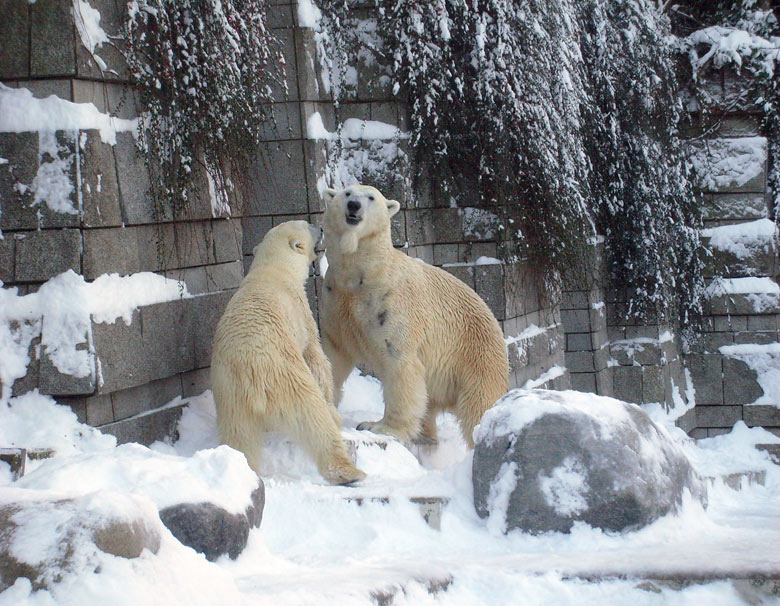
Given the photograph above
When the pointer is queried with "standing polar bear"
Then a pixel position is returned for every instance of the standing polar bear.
(429, 338)
(268, 371)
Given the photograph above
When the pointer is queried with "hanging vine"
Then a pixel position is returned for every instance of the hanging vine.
(203, 71)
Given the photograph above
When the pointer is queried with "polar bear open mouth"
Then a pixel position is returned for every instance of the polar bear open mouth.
(353, 219)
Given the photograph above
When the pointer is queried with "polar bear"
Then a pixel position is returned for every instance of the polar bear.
(429, 338)
(268, 370)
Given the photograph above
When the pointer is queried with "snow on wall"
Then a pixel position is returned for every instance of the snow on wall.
(61, 312)
(21, 112)
(723, 163)
(92, 35)
(742, 240)
(358, 151)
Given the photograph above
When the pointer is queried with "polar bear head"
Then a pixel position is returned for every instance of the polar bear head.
(355, 213)
(290, 247)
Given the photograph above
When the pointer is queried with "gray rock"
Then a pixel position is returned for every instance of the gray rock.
(211, 530)
(81, 529)
(545, 460)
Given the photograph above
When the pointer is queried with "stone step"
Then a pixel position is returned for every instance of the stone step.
(17, 458)
(773, 450)
(385, 596)
(740, 479)
(147, 427)
(430, 507)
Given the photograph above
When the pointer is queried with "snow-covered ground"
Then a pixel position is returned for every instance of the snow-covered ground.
(315, 546)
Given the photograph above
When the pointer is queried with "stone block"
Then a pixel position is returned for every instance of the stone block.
(580, 361)
(41, 255)
(100, 410)
(578, 342)
(735, 207)
(279, 17)
(227, 240)
(729, 323)
(489, 280)
(112, 98)
(706, 374)
(195, 243)
(757, 338)
(277, 180)
(765, 323)
(120, 353)
(7, 258)
(99, 188)
(21, 151)
(53, 382)
(739, 383)
(253, 230)
(201, 319)
(739, 125)
(195, 382)
(717, 416)
(601, 356)
(627, 383)
(282, 123)
(286, 39)
(114, 66)
(194, 278)
(15, 40)
(758, 261)
(710, 342)
(225, 276)
(575, 320)
(52, 38)
(145, 429)
(762, 415)
(583, 381)
(575, 299)
(135, 400)
(127, 250)
(445, 253)
(167, 346)
(138, 207)
(653, 384)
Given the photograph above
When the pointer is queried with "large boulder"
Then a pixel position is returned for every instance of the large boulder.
(210, 529)
(42, 539)
(544, 460)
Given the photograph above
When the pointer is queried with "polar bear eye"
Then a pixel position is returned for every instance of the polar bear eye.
(371, 198)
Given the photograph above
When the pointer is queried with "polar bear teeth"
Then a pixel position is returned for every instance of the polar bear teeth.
(352, 220)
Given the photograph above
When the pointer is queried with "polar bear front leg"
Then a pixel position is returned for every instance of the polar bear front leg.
(406, 398)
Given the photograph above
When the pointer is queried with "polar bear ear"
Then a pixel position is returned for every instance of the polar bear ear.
(297, 245)
(393, 206)
(330, 195)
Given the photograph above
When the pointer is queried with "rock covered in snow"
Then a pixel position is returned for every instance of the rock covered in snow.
(544, 460)
(210, 529)
(43, 536)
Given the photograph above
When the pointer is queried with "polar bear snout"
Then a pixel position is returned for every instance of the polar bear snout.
(353, 213)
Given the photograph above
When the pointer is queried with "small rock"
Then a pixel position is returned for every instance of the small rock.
(544, 460)
(212, 530)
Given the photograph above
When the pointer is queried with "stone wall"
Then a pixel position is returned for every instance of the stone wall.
(165, 351)
(611, 354)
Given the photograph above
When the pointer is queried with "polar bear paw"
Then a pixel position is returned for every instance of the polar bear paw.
(343, 475)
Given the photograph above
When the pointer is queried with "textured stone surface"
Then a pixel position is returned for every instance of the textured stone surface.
(740, 385)
(559, 461)
(41, 255)
(99, 188)
(210, 529)
(15, 40)
(52, 39)
(21, 151)
(147, 428)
